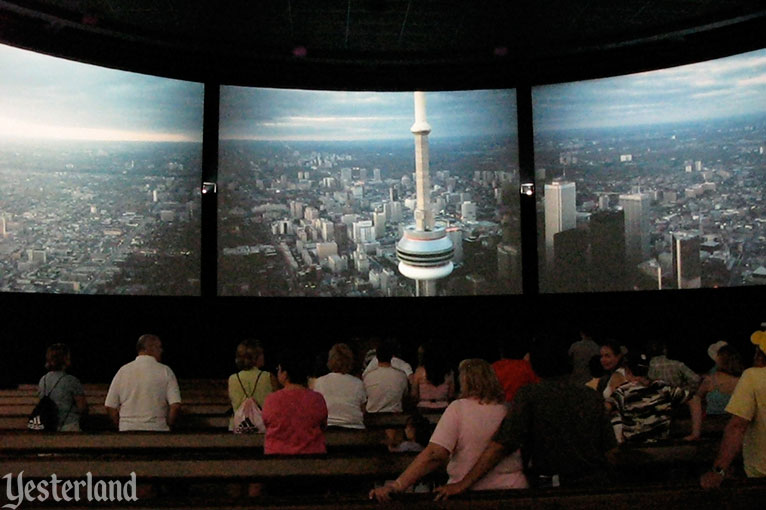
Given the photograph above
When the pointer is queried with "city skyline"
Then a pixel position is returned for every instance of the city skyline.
(51, 98)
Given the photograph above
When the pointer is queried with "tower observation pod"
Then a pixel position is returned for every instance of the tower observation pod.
(425, 251)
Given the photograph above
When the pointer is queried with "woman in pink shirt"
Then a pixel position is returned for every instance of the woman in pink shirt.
(295, 416)
(462, 434)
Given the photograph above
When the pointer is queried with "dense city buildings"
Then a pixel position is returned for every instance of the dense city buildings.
(98, 217)
(685, 211)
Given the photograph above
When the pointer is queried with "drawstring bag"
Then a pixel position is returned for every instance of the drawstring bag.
(45, 415)
(248, 418)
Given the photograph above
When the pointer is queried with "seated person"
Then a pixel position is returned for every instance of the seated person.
(643, 408)
(65, 390)
(433, 384)
(596, 372)
(396, 362)
(462, 434)
(673, 372)
(295, 416)
(417, 431)
(250, 381)
(343, 393)
(144, 394)
(716, 389)
(612, 361)
(385, 386)
(561, 427)
(513, 369)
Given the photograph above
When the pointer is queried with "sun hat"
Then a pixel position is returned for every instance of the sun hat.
(759, 339)
(712, 351)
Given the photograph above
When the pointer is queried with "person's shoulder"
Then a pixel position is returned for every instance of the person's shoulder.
(752, 374)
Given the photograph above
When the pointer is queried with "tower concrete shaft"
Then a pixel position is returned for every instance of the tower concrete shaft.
(424, 218)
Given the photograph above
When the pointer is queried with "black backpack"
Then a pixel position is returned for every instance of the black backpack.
(45, 415)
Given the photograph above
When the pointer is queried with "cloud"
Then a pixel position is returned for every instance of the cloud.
(82, 100)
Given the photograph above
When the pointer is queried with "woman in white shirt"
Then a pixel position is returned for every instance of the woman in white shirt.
(343, 393)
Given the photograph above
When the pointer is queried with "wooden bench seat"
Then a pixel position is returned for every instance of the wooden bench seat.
(24, 442)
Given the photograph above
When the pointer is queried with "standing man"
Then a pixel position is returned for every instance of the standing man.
(144, 394)
(747, 427)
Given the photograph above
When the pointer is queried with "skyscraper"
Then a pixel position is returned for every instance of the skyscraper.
(687, 271)
(607, 250)
(636, 208)
(560, 213)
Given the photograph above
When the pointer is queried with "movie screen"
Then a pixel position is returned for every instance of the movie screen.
(653, 180)
(100, 171)
(317, 188)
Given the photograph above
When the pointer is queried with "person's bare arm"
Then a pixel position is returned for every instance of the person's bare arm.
(114, 414)
(695, 408)
(731, 444)
(173, 412)
(81, 403)
(492, 454)
(433, 457)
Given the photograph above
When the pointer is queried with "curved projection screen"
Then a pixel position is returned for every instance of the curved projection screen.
(100, 178)
(654, 180)
(317, 187)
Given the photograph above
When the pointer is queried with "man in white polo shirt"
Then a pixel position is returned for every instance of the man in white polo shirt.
(144, 394)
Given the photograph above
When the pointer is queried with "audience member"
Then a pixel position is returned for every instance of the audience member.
(716, 389)
(433, 384)
(747, 427)
(612, 359)
(385, 385)
(461, 435)
(513, 369)
(596, 372)
(295, 416)
(561, 427)
(417, 431)
(712, 352)
(396, 362)
(580, 354)
(643, 408)
(343, 393)
(144, 394)
(63, 389)
(671, 371)
(251, 380)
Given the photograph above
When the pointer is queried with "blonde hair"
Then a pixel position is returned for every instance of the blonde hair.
(478, 380)
(340, 359)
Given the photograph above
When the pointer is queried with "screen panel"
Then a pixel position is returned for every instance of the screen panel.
(317, 187)
(100, 172)
(653, 180)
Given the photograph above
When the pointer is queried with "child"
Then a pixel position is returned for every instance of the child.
(417, 432)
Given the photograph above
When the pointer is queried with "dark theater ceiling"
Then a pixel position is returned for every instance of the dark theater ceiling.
(194, 35)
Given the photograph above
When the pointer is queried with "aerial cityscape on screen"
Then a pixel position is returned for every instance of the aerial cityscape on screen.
(100, 173)
(316, 188)
(655, 180)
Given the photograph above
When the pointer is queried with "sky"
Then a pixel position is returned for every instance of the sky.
(283, 114)
(43, 97)
(719, 88)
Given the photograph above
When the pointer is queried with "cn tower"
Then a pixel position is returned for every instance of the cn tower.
(425, 251)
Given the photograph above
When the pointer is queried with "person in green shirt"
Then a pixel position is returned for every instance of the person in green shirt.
(249, 360)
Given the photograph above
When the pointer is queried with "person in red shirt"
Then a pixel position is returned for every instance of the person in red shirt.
(295, 416)
(513, 368)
